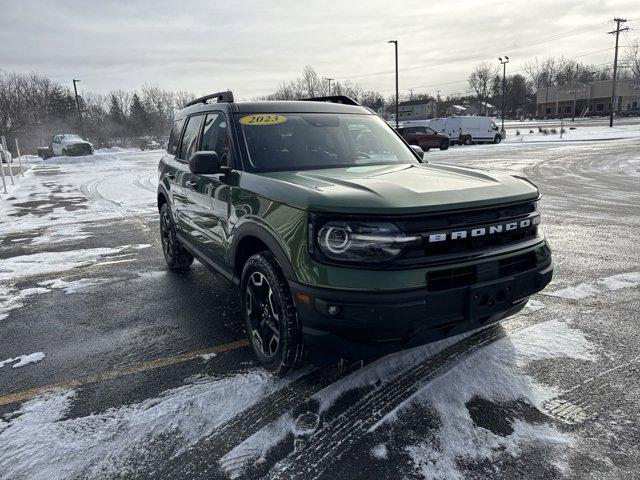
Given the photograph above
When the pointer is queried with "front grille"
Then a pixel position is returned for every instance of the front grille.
(448, 278)
(476, 230)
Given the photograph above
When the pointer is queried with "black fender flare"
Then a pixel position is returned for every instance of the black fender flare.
(250, 229)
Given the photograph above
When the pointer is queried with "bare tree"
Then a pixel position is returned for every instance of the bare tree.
(480, 81)
(632, 59)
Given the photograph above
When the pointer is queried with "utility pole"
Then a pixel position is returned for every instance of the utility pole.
(75, 89)
(437, 103)
(615, 64)
(395, 43)
(329, 80)
(411, 94)
(504, 83)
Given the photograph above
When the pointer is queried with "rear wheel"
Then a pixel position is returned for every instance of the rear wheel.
(444, 144)
(270, 315)
(177, 258)
(468, 140)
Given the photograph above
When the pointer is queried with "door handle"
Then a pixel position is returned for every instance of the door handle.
(191, 185)
(170, 176)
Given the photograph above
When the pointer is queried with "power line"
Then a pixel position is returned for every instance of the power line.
(547, 39)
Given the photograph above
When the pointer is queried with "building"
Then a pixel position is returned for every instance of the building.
(585, 99)
(420, 109)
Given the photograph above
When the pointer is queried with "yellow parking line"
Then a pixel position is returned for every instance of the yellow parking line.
(119, 372)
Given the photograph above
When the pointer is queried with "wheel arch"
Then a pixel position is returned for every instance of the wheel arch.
(251, 238)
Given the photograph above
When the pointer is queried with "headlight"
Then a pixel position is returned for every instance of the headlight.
(362, 241)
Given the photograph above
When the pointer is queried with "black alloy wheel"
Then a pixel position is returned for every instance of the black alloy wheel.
(270, 315)
(263, 312)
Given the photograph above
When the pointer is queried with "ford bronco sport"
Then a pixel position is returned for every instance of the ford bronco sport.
(342, 241)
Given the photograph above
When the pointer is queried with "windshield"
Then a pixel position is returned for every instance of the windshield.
(303, 141)
(71, 136)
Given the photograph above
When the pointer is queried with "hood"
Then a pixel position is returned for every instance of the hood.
(388, 189)
(75, 142)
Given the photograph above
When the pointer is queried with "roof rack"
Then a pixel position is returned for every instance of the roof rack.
(334, 99)
(222, 97)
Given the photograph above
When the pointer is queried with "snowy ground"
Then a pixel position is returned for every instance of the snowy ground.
(110, 367)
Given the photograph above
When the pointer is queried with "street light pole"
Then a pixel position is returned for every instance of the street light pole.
(329, 80)
(395, 43)
(504, 80)
(75, 89)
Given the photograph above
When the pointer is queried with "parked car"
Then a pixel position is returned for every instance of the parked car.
(425, 137)
(66, 144)
(630, 112)
(341, 241)
(147, 144)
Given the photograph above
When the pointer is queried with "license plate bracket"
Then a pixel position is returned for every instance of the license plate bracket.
(489, 298)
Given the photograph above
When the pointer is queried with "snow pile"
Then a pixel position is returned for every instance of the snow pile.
(589, 289)
(81, 159)
(23, 360)
(36, 442)
(580, 133)
(116, 150)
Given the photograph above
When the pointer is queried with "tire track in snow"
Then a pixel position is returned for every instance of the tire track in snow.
(324, 446)
(201, 461)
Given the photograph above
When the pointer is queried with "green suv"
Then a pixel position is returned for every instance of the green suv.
(343, 241)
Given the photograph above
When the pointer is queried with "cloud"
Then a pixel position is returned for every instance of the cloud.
(251, 46)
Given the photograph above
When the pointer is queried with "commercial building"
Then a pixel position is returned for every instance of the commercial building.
(586, 99)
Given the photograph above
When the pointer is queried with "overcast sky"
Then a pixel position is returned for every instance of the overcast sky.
(251, 46)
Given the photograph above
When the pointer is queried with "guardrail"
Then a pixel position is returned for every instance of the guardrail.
(4, 180)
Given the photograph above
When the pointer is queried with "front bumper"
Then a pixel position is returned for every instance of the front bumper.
(78, 149)
(371, 324)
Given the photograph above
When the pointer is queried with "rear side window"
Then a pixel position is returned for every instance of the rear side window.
(174, 136)
(190, 138)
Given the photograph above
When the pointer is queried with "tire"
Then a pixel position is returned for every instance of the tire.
(498, 139)
(270, 316)
(444, 145)
(468, 140)
(64, 152)
(426, 149)
(177, 258)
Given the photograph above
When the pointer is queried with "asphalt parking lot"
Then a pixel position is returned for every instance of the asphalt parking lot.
(147, 374)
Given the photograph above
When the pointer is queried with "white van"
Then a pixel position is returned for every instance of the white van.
(469, 130)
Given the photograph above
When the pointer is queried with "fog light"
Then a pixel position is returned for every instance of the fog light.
(334, 310)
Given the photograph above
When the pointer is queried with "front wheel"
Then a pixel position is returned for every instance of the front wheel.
(270, 315)
(178, 259)
(498, 139)
(444, 144)
(468, 140)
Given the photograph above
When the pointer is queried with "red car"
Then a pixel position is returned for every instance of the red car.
(425, 137)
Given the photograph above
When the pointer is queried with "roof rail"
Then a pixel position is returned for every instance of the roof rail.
(334, 99)
(222, 97)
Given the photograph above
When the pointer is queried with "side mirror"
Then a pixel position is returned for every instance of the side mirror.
(418, 151)
(205, 163)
